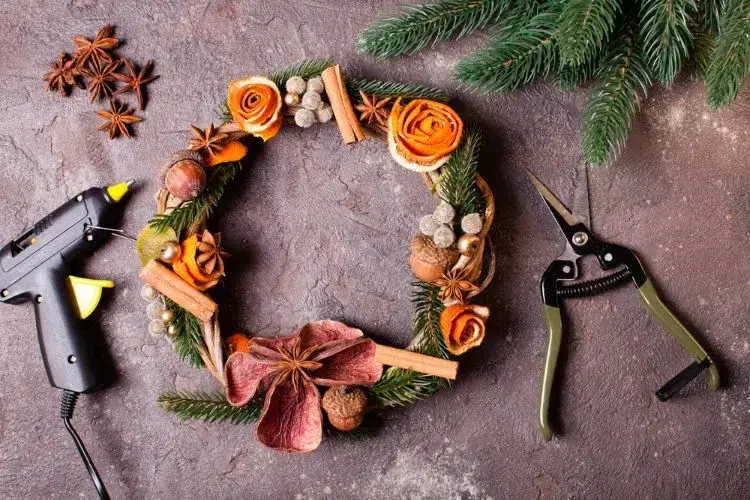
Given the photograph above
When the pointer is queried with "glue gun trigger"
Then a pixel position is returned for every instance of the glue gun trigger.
(87, 293)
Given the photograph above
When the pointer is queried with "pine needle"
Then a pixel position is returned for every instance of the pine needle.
(730, 61)
(306, 68)
(666, 36)
(393, 89)
(427, 309)
(584, 27)
(418, 26)
(201, 207)
(458, 184)
(608, 114)
(570, 75)
(209, 407)
(187, 337)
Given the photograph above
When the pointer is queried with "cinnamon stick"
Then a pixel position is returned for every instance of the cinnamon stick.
(342, 108)
(169, 284)
(415, 361)
(350, 114)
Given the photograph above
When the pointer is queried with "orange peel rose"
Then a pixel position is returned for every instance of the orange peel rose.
(188, 269)
(462, 326)
(423, 133)
(255, 104)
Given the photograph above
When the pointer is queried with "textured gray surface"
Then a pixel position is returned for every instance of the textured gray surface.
(321, 230)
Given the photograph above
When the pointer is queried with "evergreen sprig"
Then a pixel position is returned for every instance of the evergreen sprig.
(666, 35)
(730, 60)
(426, 321)
(458, 184)
(306, 68)
(382, 88)
(416, 27)
(608, 115)
(187, 335)
(181, 217)
(583, 28)
(209, 407)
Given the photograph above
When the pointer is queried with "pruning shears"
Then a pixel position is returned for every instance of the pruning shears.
(626, 267)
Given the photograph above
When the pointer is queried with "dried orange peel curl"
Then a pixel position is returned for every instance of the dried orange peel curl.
(423, 133)
(188, 269)
(255, 104)
(462, 326)
(229, 152)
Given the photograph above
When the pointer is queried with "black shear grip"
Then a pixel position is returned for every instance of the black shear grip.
(682, 379)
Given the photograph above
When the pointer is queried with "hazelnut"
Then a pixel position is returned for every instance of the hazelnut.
(427, 261)
(185, 179)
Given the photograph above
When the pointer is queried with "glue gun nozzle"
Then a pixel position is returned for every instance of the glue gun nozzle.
(117, 191)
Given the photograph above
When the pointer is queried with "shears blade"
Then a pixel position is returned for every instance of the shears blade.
(555, 205)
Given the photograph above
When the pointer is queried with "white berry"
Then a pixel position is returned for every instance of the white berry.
(316, 84)
(445, 213)
(296, 85)
(443, 237)
(148, 293)
(471, 223)
(324, 112)
(311, 100)
(157, 328)
(304, 118)
(428, 225)
(154, 309)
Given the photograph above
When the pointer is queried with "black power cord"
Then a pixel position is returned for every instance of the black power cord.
(67, 406)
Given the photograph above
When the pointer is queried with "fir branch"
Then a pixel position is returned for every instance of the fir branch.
(520, 54)
(702, 47)
(666, 36)
(306, 68)
(399, 387)
(183, 216)
(418, 26)
(458, 184)
(188, 337)
(709, 12)
(426, 322)
(209, 407)
(393, 89)
(569, 76)
(223, 112)
(584, 27)
(608, 114)
(730, 60)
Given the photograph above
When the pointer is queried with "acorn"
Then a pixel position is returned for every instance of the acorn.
(183, 175)
(427, 261)
(345, 407)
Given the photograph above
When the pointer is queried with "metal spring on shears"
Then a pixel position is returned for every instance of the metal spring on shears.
(596, 286)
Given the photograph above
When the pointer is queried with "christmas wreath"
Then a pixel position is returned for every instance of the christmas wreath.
(276, 381)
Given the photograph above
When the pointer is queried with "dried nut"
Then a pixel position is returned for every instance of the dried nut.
(291, 99)
(316, 84)
(170, 252)
(304, 118)
(324, 113)
(444, 237)
(185, 179)
(157, 328)
(154, 310)
(167, 316)
(345, 407)
(149, 293)
(468, 244)
(296, 85)
(311, 100)
(471, 223)
(427, 261)
(445, 213)
(428, 225)
(176, 157)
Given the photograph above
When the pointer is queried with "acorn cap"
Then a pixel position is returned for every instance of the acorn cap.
(344, 403)
(427, 261)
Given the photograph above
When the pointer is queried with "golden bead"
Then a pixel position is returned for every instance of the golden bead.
(171, 252)
(291, 99)
(167, 316)
(468, 244)
(171, 330)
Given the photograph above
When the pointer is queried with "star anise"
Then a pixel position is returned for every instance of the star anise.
(211, 257)
(119, 118)
(101, 79)
(135, 81)
(63, 74)
(373, 109)
(295, 363)
(454, 284)
(96, 50)
(208, 140)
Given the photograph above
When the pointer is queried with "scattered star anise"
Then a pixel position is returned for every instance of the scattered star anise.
(63, 74)
(101, 79)
(373, 109)
(96, 50)
(208, 140)
(454, 284)
(211, 258)
(119, 118)
(135, 81)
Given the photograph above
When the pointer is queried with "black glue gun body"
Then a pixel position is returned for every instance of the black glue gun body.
(35, 268)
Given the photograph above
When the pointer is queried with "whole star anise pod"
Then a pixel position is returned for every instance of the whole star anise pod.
(454, 284)
(96, 50)
(101, 79)
(208, 140)
(63, 74)
(135, 81)
(210, 254)
(373, 110)
(119, 118)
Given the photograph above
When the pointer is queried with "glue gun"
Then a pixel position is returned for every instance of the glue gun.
(35, 267)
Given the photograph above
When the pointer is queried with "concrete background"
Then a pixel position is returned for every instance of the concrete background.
(321, 230)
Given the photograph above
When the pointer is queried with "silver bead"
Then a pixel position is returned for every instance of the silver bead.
(316, 84)
(149, 293)
(157, 328)
(310, 100)
(471, 223)
(291, 99)
(304, 118)
(443, 237)
(428, 225)
(445, 213)
(296, 85)
(324, 113)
